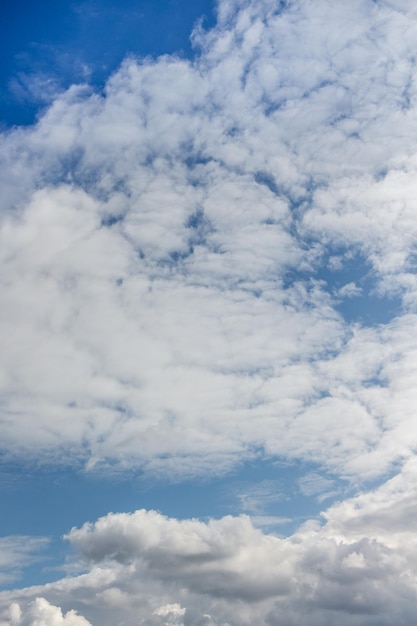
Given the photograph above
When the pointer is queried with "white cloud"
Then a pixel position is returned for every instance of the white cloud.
(171, 614)
(208, 558)
(350, 290)
(41, 613)
(147, 238)
(358, 567)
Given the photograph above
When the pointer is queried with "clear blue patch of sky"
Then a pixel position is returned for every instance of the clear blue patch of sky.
(55, 43)
(369, 307)
(49, 502)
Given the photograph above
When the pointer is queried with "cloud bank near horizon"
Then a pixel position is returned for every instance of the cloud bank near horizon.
(358, 568)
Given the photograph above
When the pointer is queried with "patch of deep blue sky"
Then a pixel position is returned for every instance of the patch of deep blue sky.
(52, 44)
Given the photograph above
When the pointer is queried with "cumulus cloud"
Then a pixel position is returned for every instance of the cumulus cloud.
(42, 613)
(350, 290)
(357, 567)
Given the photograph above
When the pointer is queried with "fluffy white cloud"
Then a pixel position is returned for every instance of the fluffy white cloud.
(357, 568)
(159, 247)
(213, 558)
(41, 613)
(362, 540)
(171, 614)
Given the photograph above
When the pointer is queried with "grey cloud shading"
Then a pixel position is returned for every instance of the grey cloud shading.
(351, 571)
(207, 558)
(357, 567)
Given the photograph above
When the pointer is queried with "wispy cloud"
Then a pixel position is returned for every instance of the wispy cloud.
(227, 571)
(18, 552)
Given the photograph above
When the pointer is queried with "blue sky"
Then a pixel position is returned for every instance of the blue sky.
(61, 43)
(208, 237)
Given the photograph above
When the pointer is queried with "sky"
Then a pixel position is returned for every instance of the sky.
(208, 303)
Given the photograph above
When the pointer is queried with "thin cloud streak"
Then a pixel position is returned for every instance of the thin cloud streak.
(147, 245)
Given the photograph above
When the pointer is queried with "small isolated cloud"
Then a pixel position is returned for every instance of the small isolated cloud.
(257, 499)
(314, 484)
(350, 290)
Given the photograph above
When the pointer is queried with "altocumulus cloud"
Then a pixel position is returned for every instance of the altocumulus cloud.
(148, 235)
(162, 247)
(168, 251)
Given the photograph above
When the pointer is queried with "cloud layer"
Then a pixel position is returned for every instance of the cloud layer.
(356, 567)
(177, 254)
(164, 247)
